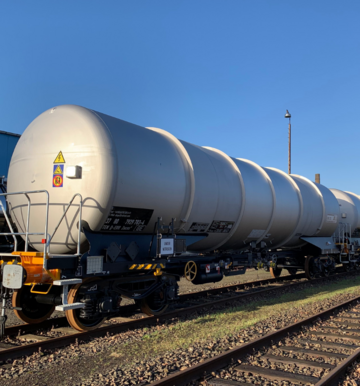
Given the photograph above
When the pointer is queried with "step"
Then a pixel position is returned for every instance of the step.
(67, 307)
(63, 282)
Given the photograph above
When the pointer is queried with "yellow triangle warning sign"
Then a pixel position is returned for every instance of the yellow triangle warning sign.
(58, 170)
(59, 159)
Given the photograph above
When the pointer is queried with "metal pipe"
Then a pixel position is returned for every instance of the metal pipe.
(9, 224)
(350, 234)
(21, 234)
(24, 192)
(27, 224)
(317, 178)
(79, 234)
(48, 299)
(46, 230)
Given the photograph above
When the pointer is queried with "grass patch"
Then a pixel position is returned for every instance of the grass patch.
(230, 321)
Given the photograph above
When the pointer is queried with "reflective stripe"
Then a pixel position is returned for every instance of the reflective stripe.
(147, 266)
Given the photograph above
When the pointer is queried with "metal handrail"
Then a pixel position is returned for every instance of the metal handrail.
(47, 237)
(58, 225)
(27, 233)
(9, 224)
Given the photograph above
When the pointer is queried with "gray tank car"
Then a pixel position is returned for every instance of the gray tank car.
(89, 195)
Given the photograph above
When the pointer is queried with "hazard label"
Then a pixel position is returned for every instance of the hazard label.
(59, 158)
(57, 181)
(58, 169)
(207, 270)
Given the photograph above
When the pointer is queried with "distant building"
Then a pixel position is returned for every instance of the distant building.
(8, 142)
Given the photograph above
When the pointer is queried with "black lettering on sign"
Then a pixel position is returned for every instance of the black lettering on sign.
(221, 226)
(127, 219)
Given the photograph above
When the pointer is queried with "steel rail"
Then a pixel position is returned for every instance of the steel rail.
(128, 309)
(333, 377)
(223, 360)
(51, 343)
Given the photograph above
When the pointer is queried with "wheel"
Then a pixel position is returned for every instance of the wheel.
(73, 316)
(292, 271)
(275, 272)
(154, 304)
(32, 312)
(190, 270)
(309, 267)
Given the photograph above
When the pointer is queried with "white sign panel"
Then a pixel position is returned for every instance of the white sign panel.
(331, 218)
(13, 276)
(167, 247)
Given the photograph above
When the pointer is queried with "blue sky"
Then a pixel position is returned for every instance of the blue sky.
(214, 73)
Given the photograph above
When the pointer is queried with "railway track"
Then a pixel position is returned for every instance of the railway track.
(20, 345)
(192, 297)
(325, 345)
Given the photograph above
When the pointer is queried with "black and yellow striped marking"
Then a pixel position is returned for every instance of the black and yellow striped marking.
(146, 266)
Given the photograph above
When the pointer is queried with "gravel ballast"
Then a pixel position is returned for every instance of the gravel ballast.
(99, 362)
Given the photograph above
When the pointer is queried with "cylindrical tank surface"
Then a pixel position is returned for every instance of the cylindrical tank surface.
(129, 176)
(349, 205)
